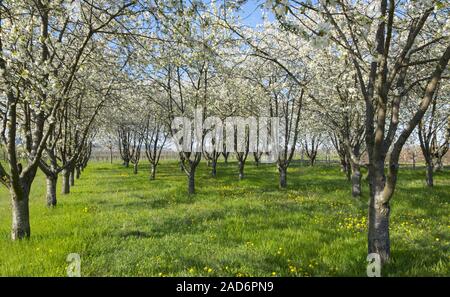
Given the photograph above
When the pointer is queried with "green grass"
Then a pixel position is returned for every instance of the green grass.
(125, 225)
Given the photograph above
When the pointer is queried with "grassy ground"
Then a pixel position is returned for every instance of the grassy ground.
(126, 225)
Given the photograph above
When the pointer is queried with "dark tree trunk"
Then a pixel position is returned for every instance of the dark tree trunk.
(214, 167)
(72, 176)
(345, 167)
(126, 164)
(225, 156)
(257, 157)
(241, 170)
(191, 182)
(51, 190)
(429, 174)
(65, 182)
(78, 171)
(152, 171)
(282, 171)
(20, 215)
(356, 180)
(347, 162)
(135, 168)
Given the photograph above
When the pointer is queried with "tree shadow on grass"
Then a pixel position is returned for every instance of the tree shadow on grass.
(134, 233)
(410, 258)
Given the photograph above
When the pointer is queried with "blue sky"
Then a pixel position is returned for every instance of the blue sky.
(252, 13)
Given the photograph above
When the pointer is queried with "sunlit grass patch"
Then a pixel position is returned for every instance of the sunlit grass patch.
(123, 224)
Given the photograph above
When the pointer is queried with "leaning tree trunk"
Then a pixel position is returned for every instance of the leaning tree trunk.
(345, 167)
(379, 212)
(241, 170)
(429, 170)
(152, 171)
(51, 189)
(20, 214)
(348, 172)
(438, 165)
(282, 171)
(356, 180)
(191, 182)
(65, 182)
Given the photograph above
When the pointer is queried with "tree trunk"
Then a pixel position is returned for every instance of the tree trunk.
(135, 168)
(345, 167)
(356, 180)
(283, 182)
(438, 165)
(51, 190)
(379, 212)
(72, 176)
(111, 155)
(429, 174)
(152, 172)
(65, 182)
(191, 182)
(214, 167)
(257, 158)
(20, 215)
(78, 171)
(126, 164)
(241, 170)
(348, 171)
(379, 229)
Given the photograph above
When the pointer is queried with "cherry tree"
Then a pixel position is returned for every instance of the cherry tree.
(434, 126)
(41, 46)
(385, 42)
